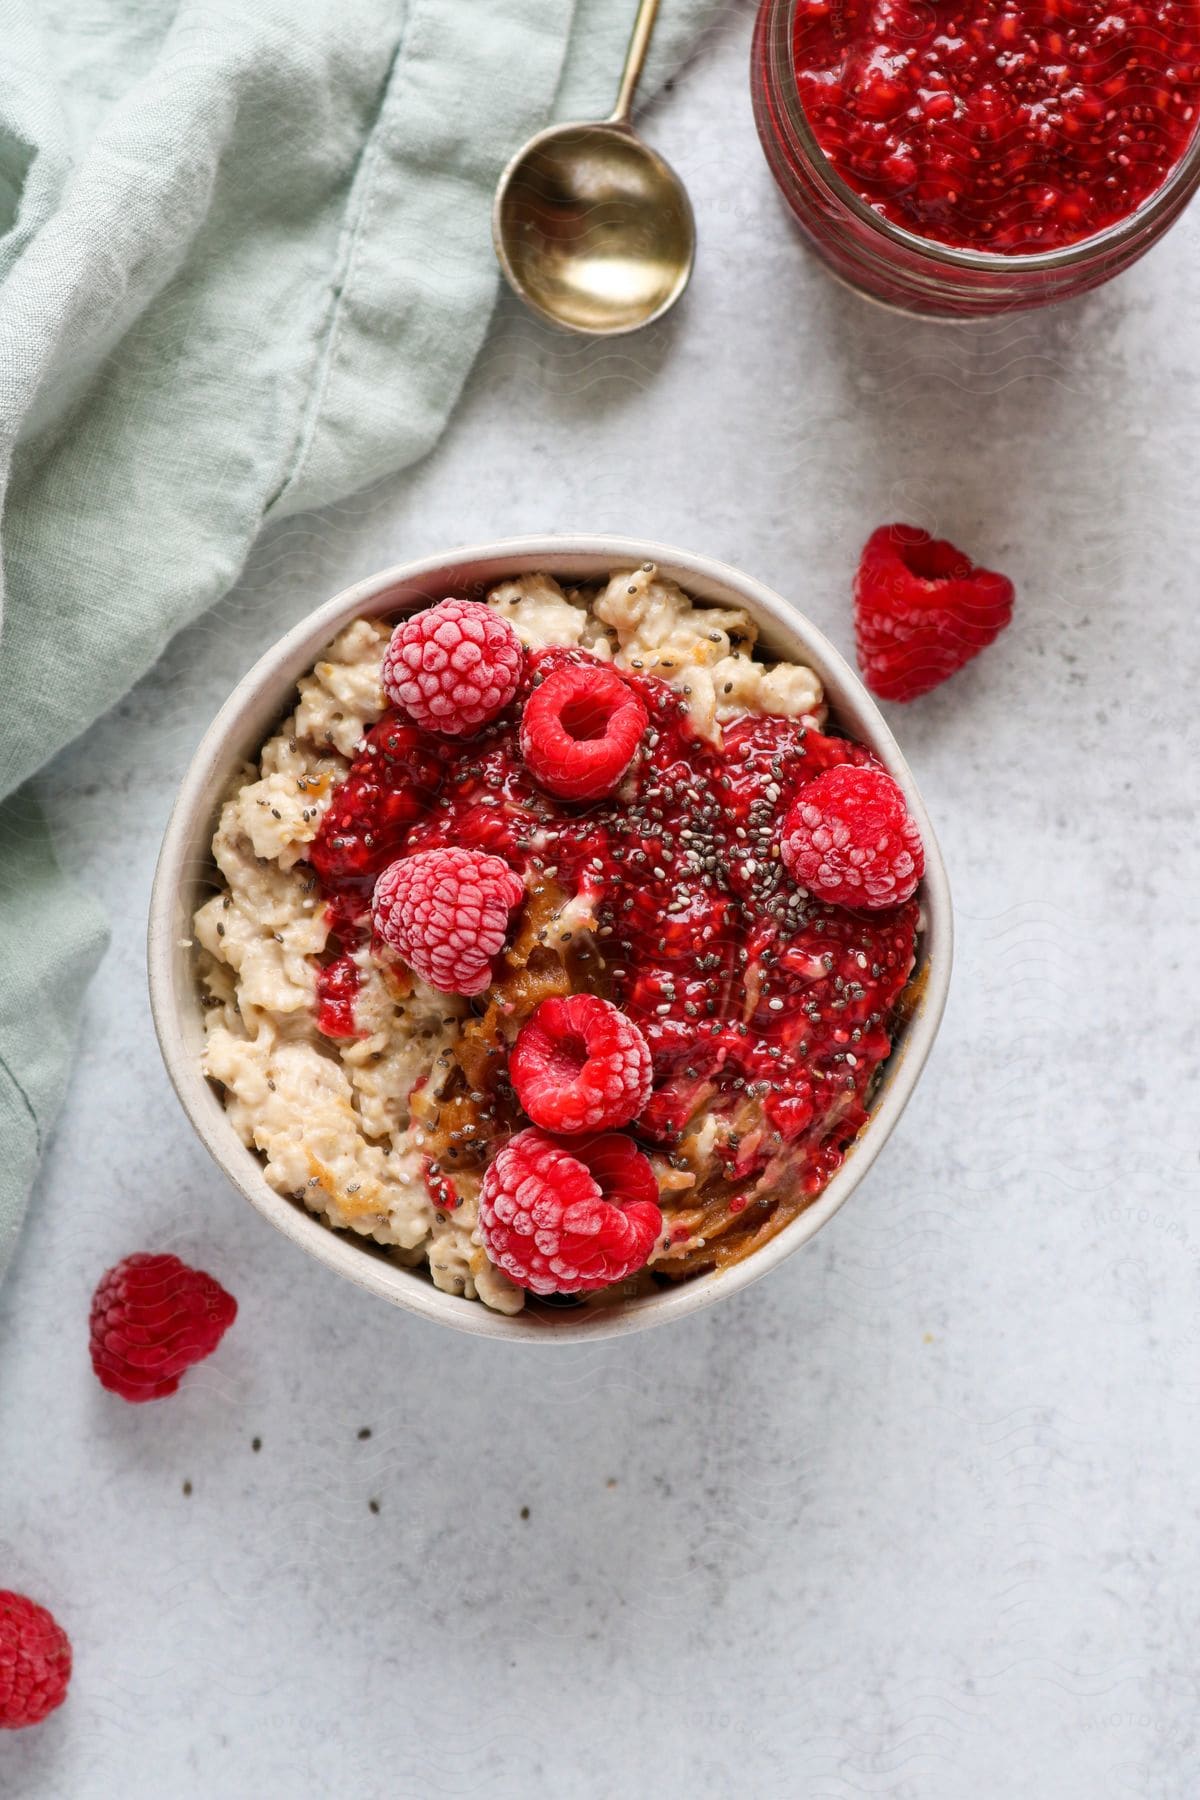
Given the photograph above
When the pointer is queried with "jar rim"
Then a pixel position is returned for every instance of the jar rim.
(777, 38)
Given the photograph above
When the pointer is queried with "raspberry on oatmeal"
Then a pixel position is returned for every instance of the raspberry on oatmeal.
(446, 912)
(849, 838)
(453, 667)
(569, 1218)
(580, 730)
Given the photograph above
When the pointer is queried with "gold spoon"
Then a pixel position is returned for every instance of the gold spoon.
(593, 229)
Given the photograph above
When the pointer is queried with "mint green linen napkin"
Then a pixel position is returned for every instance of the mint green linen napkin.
(245, 265)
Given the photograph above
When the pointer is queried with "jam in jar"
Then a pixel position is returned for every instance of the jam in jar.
(975, 156)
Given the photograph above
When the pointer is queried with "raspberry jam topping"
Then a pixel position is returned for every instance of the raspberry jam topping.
(767, 1011)
(389, 787)
(337, 989)
(1003, 125)
(569, 1218)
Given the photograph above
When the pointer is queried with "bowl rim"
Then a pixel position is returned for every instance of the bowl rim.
(258, 701)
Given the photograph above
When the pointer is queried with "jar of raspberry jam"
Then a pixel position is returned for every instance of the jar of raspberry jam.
(964, 157)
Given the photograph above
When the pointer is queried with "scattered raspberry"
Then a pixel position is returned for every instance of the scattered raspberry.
(453, 667)
(580, 1065)
(446, 912)
(35, 1662)
(921, 610)
(152, 1318)
(580, 730)
(562, 1219)
(849, 839)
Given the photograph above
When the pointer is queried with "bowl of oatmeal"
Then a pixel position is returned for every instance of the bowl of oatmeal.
(547, 936)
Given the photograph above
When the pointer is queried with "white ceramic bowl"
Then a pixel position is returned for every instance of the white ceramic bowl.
(185, 875)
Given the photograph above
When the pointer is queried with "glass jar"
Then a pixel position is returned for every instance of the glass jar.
(920, 275)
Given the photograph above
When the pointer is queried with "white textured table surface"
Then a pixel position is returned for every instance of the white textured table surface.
(914, 1517)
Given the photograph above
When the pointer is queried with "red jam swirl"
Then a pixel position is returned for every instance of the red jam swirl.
(1001, 125)
(338, 983)
(762, 1006)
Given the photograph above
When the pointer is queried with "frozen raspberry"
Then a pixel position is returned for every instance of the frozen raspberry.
(921, 610)
(453, 667)
(35, 1662)
(580, 1065)
(580, 730)
(567, 1218)
(152, 1318)
(848, 838)
(446, 912)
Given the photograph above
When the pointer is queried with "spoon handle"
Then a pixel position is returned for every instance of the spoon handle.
(635, 61)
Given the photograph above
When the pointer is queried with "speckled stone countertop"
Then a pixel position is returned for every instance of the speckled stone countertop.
(913, 1518)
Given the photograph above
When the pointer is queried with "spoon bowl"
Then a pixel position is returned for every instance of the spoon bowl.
(594, 229)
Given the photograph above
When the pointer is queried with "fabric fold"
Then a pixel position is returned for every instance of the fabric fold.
(51, 939)
(415, 292)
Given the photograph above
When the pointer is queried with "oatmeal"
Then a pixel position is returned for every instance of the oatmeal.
(380, 1102)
